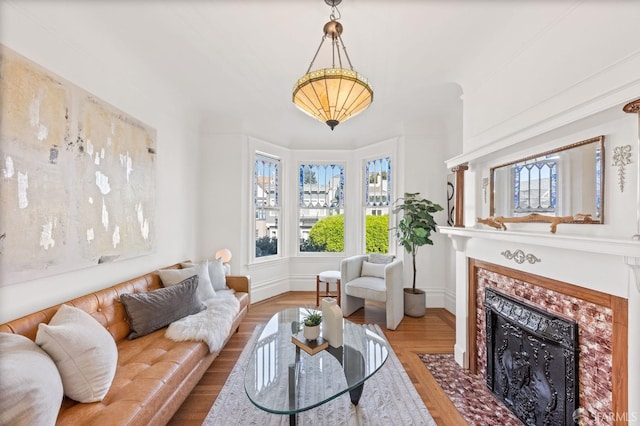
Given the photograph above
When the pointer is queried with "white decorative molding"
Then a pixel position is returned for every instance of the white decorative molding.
(520, 256)
(621, 158)
(460, 356)
(634, 264)
(485, 185)
(574, 103)
(459, 242)
(608, 246)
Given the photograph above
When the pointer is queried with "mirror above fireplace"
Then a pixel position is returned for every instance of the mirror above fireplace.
(566, 181)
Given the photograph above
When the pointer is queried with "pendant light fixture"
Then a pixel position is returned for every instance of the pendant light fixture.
(333, 95)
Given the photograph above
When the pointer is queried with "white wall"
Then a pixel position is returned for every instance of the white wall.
(425, 172)
(226, 218)
(584, 62)
(144, 98)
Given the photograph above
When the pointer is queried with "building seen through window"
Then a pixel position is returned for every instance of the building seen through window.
(321, 207)
(266, 202)
(377, 181)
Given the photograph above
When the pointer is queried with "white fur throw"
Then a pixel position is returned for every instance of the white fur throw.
(211, 326)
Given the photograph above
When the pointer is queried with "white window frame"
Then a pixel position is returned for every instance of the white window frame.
(343, 164)
(257, 155)
(390, 197)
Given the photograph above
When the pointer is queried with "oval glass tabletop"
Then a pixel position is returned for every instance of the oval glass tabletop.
(280, 378)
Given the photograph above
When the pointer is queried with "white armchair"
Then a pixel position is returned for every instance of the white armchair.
(383, 282)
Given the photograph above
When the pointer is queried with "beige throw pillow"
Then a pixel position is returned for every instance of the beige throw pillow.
(83, 350)
(372, 269)
(171, 277)
(30, 385)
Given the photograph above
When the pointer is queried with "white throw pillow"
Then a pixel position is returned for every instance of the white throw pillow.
(83, 350)
(217, 274)
(176, 276)
(30, 385)
(372, 269)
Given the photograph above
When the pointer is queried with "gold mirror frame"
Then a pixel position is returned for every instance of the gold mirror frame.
(535, 217)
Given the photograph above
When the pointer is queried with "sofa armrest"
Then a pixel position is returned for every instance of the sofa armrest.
(240, 283)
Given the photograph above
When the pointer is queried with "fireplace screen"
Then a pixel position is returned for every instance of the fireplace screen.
(532, 361)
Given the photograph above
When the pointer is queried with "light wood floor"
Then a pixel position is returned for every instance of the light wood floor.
(434, 333)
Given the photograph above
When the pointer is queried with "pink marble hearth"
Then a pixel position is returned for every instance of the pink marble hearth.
(595, 333)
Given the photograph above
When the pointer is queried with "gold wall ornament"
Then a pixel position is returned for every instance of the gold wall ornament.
(621, 158)
(498, 222)
(632, 107)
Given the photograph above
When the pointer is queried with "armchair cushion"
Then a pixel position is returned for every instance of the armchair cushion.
(370, 288)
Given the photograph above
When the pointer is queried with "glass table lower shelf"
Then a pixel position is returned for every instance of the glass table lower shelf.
(282, 379)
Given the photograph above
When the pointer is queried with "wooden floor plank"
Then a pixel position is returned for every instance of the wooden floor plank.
(433, 333)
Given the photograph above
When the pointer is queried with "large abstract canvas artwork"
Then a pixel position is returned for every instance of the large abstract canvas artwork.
(77, 178)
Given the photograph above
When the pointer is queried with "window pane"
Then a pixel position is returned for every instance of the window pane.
(377, 199)
(535, 189)
(266, 204)
(321, 207)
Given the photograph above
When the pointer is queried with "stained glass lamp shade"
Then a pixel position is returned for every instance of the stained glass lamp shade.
(333, 95)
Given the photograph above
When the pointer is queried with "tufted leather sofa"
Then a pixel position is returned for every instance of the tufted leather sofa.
(154, 374)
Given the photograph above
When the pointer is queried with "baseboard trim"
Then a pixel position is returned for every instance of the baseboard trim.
(460, 356)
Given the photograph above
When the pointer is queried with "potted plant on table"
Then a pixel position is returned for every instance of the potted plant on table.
(312, 321)
(413, 231)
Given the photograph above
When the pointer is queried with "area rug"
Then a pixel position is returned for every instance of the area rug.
(468, 392)
(389, 398)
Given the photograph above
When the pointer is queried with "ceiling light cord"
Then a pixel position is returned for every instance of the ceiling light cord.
(344, 48)
(317, 51)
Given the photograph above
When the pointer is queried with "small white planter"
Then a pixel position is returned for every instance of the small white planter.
(311, 333)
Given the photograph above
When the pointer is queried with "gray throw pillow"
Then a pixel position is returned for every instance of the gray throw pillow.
(152, 310)
(381, 258)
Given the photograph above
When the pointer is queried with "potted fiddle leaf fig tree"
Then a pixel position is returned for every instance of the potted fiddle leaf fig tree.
(412, 232)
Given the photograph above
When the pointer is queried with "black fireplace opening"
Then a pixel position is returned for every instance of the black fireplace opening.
(532, 360)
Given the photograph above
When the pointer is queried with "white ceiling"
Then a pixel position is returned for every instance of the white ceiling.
(235, 61)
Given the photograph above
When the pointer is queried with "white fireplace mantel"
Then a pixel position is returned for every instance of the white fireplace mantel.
(628, 249)
(615, 247)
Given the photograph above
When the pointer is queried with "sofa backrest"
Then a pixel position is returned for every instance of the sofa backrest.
(104, 305)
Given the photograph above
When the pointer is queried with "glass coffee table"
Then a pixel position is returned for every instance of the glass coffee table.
(283, 379)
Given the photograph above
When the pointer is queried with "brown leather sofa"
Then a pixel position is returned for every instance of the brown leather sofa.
(154, 374)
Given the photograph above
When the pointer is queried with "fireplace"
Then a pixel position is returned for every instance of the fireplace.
(532, 360)
(601, 375)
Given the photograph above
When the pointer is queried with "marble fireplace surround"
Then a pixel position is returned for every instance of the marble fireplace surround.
(590, 280)
(602, 329)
